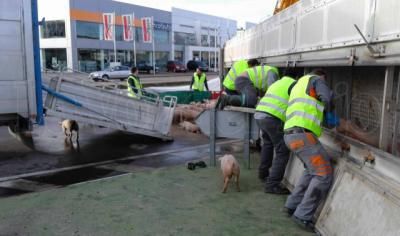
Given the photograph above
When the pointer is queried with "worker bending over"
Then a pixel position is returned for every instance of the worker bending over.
(270, 117)
(237, 69)
(199, 81)
(308, 101)
(251, 84)
(133, 84)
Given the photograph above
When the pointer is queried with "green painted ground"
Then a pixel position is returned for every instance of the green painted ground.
(171, 201)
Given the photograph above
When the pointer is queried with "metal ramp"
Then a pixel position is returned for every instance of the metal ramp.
(110, 107)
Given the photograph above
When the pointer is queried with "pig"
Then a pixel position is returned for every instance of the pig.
(189, 127)
(68, 126)
(230, 167)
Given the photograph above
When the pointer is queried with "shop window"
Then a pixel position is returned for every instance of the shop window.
(89, 30)
(55, 59)
(53, 29)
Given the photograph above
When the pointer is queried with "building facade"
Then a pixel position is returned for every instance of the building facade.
(198, 36)
(72, 36)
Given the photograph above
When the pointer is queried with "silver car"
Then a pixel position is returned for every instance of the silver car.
(116, 72)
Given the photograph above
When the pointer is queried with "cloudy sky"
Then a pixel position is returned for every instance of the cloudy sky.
(240, 10)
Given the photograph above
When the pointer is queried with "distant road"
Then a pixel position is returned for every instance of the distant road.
(160, 79)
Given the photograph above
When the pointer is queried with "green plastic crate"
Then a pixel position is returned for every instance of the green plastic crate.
(186, 97)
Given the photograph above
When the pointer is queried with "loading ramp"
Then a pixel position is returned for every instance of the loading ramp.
(110, 107)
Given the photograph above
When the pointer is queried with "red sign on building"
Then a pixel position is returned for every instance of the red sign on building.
(128, 24)
(147, 29)
(108, 26)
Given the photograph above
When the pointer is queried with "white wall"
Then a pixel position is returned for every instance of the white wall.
(57, 10)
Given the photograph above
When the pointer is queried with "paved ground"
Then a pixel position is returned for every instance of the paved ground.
(166, 201)
(96, 144)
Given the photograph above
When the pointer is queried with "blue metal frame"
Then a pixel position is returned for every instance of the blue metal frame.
(36, 59)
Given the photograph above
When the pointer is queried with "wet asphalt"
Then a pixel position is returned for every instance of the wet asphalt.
(46, 148)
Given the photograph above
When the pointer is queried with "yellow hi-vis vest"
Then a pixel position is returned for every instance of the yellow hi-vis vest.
(238, 68)
(138, 87)
(259, 76)
(303, 110)
(275, 101)
(198, 83)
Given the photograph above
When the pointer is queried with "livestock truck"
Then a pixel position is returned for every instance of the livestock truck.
(358, 43)
(20, 77)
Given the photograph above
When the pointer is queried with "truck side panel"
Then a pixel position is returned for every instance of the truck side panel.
(17, 80)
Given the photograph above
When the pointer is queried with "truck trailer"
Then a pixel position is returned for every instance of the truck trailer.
(358, 44)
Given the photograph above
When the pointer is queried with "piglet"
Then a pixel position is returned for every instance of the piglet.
(230, 167)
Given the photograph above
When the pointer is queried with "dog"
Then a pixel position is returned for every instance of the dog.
(68, 126)
(230, 167)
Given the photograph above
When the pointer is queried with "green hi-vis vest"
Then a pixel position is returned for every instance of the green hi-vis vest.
(259, 76)
(238, 68)
(138, 86)
(199, 82)
(303, 110)
(275, 101)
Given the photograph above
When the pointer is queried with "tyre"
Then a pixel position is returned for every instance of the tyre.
(105, 77)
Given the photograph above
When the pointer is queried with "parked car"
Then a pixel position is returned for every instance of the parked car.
(117, 72)
(193, 65)
(144, 67)
(175, 66)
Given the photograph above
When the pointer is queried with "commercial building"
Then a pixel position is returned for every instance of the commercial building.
(199, 36)
(72, 35)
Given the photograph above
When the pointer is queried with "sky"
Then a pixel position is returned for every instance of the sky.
(242, 11)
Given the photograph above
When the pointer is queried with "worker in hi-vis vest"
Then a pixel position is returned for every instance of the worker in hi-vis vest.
(270, 118)
(309, 101)
(237, 69)
(250, 85)
(133, 84)
(199, 81)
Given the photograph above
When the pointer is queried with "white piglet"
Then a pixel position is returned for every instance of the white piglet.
(230, 167)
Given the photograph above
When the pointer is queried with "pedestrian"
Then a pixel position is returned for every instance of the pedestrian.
(199, 81)
(309, 100)
(133, 83)
(270, 118)
(250, 85)
(237, 69)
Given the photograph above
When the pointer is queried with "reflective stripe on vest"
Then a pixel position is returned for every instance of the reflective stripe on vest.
(138, 87)
(237, 68)
(303, 110)
(199, 82)
(259, 76)
(275, 101)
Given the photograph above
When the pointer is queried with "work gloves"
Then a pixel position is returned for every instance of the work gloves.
(332, 120)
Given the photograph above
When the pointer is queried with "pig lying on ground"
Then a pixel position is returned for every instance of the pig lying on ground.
(186, 125)
(230, 167)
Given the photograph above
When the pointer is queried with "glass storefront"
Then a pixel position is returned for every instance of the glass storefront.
(53, 29)
(90, 60)
(54, 59)
(178, 56)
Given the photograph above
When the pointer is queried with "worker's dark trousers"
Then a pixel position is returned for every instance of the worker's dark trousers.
(230, 92)
(247, 91)
(317, 178)
(272, 168)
